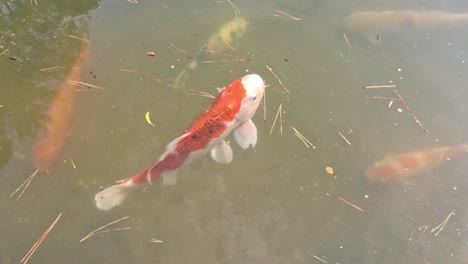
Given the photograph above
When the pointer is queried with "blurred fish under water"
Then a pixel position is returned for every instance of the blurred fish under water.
(372, 24)
(397, 167)
(227, 34)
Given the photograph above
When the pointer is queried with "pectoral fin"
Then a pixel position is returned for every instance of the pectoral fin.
(222, 153)
(246, 134)
(169, 178)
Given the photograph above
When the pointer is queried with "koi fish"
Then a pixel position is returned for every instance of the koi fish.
(373, 23)
(396, 167)
(226, 35)
(232, 110)
(48, 145)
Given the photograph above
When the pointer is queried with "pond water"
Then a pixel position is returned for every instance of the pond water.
(273, 204)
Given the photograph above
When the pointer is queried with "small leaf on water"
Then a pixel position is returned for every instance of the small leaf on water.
(148, 120)
(330, 170)
(151, 53)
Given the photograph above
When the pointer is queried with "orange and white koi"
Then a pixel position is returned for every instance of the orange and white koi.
(232, 110)
(397, 167)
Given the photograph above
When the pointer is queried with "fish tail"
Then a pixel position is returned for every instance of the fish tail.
(113, 196)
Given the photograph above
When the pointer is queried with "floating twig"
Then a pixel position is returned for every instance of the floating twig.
(278, 113)
(442, 225)
(28, 255)
(25, 184)
(3, 52)
(176, 48)
(98, 231)
(409, 109)
(324, 261)
(286, 15)
(73, 163)
(49, 69)
(75, 37)
(85, 85)
(276, 76)
(347, 41)
(304, 140)
(380, 86)
(386, 98)
(233, 60)
(398, 98)
(345, 139)
(350, 204)
(154, 240)
(125, 70)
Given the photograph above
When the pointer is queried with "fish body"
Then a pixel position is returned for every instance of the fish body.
(397, 167)
(218, 42)
(374, 23)
(230, 111)
(49, 144)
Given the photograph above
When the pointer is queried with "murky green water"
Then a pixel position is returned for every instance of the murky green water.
(274, 204)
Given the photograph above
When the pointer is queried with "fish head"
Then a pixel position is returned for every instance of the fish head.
(254, 88)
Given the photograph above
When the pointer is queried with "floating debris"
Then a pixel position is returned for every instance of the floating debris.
(330, 170)
(28, 255)
(151, 53)
(148, 120)
(350, 204)
(304, 140)
(100, 231)
(278, 113)
(279, 13)
(277, 78)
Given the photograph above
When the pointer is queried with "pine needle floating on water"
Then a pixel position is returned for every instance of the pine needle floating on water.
(345, 139)
(278, 113)
(49, 69)
(304, 140)
(75, 37)
(350, 204)
(398, 98)
(3, 52)
(236, 10)
(322, 260)
(277, 78)
(100, 231)
(442, 225)
(280, 13)
(85, 85)
(28, 255)
(154, 240)
(176, 48)
(25, 184)
(347, 40)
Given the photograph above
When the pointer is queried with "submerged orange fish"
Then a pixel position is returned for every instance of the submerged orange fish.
(396, 167)
(232, 110)
(48, 145)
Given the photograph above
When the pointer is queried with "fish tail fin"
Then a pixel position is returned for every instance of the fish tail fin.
(112, 196)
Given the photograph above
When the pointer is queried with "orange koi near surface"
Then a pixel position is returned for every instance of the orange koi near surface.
(232, 110)
(395, 168)
(48, 145)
